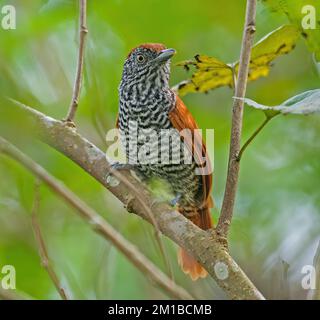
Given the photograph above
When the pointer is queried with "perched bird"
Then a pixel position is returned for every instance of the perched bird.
(148, 103)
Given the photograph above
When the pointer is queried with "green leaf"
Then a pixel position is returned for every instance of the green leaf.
(212, 73)
(305, 103)
(279, 42)
(294, 10)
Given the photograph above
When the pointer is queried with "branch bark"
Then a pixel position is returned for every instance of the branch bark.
(236, 127)
(83, 30)
(98, 224)
(203, 245)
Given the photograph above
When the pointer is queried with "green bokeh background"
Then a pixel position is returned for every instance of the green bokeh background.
(277, 211)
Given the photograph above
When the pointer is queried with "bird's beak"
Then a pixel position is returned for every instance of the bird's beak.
(165, 55)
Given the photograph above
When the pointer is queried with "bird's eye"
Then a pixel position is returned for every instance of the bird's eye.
(140, 58)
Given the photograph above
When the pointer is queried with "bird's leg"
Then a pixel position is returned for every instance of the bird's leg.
(175, 200)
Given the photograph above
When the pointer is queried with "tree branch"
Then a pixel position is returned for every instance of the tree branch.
(203, 245)
(236, 127)
(252, 137)
(98, 224)
(43, 252)
(83, 30)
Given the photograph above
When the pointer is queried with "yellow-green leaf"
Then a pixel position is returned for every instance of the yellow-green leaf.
(280, 41)
(212, 73)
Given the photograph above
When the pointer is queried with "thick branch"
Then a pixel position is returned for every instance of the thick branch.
(236, 128)
(83, 30)
(97, 223)
(203, 245)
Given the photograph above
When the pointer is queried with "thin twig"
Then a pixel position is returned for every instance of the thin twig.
(252, 137)
(236, 128)
(83, 30)
(98, 224)
(43, 252)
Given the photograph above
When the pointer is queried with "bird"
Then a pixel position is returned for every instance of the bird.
(147, 104)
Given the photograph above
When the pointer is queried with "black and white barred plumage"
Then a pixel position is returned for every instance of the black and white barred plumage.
(150, 113)
(145, 102)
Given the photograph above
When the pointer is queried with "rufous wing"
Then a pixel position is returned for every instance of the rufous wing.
(181, 118)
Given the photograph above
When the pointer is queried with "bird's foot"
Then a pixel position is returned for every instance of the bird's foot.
(175, 200)
(121, 166)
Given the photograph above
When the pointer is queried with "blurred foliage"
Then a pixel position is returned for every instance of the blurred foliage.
(277, 212)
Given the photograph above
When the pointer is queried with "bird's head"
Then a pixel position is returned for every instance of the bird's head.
(148, 64)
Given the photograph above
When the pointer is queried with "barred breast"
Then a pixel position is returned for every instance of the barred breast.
(150, 121)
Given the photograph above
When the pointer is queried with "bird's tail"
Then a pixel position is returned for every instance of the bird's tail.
(189, 265)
